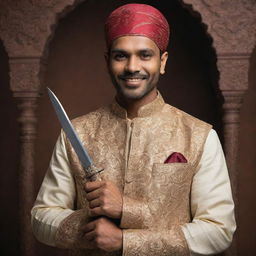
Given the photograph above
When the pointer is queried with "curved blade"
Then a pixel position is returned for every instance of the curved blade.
(70, 131)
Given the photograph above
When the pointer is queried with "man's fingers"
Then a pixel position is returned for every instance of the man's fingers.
(96, 212)
(90, 186)
(95, 203)
(90, 236)
(93, 195)
(89, 227)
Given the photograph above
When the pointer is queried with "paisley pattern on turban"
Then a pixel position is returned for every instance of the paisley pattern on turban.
(138, 19)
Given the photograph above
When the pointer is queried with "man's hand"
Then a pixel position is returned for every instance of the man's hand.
(104, 199)
(104, 234)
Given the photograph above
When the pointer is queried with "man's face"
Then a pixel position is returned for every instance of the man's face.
(134, 65)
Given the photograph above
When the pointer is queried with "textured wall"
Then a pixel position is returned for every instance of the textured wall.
(247, 167)
(27, 29)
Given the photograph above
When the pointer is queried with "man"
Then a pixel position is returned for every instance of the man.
(165, 188)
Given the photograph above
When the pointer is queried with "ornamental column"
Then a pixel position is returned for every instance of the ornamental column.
(25, 85)
(233, 83)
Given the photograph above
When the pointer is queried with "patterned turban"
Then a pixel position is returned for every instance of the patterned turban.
(138, 20)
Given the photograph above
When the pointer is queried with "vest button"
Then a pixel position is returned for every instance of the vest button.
(128, 180)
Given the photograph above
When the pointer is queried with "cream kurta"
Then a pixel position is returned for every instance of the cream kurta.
(168, 209)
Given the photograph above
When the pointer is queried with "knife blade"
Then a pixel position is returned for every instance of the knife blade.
(90, 170)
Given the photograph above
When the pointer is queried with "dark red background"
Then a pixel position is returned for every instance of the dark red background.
(76, 72)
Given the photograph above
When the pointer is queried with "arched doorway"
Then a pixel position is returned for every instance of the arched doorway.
(76, 71)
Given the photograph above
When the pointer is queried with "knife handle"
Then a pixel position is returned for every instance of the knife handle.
(92, 173)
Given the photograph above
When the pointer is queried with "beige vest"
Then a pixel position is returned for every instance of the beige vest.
(132, 153)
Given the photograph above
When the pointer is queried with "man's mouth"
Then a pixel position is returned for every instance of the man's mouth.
(136, 77)
(133, 80)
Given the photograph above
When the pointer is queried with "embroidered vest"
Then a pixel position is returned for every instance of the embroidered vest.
(156, 196)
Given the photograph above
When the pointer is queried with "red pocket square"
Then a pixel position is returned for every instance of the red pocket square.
(175, 157)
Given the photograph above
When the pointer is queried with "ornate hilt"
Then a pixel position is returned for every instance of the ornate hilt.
(92, 173)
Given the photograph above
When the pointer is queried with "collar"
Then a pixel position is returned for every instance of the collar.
(147, 110)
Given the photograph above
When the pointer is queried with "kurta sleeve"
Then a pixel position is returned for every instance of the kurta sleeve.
(54, 205)
(212, 208)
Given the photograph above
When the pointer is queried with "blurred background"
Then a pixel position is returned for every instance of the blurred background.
(77, 73)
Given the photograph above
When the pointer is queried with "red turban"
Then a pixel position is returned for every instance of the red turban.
(139, 20)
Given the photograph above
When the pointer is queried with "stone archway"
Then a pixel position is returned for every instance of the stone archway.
(196, 13)
(190, 34)
(26, 28)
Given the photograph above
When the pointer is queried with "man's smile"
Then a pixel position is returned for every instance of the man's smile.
(133, 80)
(133, 76)
(133, 83)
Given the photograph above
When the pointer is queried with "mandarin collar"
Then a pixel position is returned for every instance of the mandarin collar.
(145, 111)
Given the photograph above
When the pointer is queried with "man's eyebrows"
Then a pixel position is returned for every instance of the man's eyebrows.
(126, 52)
(148, 50)
(118, 51)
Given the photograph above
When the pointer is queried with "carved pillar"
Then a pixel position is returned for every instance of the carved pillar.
(25, 84)
(233, 84)
(231, 120)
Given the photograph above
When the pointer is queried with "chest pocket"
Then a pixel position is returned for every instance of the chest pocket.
(169, 192)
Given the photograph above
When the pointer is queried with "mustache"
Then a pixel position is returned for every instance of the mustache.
(133, 76)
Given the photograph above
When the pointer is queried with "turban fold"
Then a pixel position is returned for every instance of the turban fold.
(138, 20)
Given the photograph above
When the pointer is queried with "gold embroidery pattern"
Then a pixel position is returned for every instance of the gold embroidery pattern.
(156, 195)
(69, 234)
(136, 214)
(155, 243)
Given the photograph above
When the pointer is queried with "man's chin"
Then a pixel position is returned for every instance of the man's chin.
(136, 95)
(133, 94)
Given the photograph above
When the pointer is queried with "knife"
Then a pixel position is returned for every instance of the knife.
(91, 171)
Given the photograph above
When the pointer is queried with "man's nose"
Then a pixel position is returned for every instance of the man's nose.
(133, 64)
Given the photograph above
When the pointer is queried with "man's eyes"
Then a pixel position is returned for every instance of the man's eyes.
(119, 56)
(123, 56)
(146, 55)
